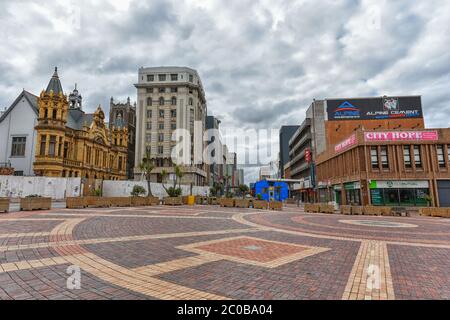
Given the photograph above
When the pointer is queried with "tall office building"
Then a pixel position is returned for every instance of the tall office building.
(169, 98)
(286, 133)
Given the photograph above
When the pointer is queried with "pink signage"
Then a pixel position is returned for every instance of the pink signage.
(347, 143)
(401, 136)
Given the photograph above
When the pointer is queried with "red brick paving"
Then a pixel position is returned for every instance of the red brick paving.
(418, 272)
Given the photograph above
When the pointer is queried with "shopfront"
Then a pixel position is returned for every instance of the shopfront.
(353, 193)
(408, 193)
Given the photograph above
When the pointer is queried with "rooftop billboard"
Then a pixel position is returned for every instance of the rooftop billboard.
(374, 108)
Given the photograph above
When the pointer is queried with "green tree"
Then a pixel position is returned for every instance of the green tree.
(146, 166)
(137, 191)
(243, 188)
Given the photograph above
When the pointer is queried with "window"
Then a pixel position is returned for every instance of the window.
(18, 146)
(374, 157)
(18, 173)
(407, 156)
(174, 77)
(149, 113)
(417, 157)
(54, 113)
(150, 77)
(51, 146)
(174, 89)
(448, 152)
(148, 138)
(161, 77)
(161, 126)
(191, 91)
(162, 90)
(120, 164)
(149, 125)
(173, 126)
(60, 146)
(191, 78)
(440, 156)
(161, 137)
(149, 101)
(191, 101)
(160, 149)
(384, 157)
(149, 90)
(173, 113)
(161, 113)
(174, 101)
(66, 149)
(161, 101)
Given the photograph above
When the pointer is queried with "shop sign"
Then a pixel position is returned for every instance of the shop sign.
(401, 136)
(374, 108)
(337, 187)
(347, 143)
(308, 155)
(404, 184)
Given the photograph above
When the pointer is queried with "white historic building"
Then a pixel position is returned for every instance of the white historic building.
(17, 134)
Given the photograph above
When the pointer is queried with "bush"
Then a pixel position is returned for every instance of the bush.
(98, 192)
(137, 191)
(174, 192)
(259, 196)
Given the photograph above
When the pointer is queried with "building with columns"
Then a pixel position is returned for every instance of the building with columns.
(169, 98)
(72, 143)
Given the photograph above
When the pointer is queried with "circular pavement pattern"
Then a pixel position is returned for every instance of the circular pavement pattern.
(372, 223)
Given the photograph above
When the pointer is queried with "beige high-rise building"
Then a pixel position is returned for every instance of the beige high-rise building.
(169, 98)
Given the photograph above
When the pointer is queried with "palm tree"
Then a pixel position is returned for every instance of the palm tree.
(146, 166)
(178, 176)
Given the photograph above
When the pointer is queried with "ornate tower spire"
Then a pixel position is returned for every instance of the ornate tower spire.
(54, 83)
(75, 99)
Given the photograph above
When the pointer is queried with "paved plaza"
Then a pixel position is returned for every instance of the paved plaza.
(209, 252)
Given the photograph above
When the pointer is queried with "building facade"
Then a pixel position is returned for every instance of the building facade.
(17, 135)
(169, 98)
(307, 141)
(330, 121)
(387, 167)
(72, 143)
(286, 133)
(123, 115)
(214, 148)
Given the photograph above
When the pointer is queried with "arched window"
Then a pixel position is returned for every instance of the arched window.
(191, 101)
(54, 113)
(174, 101)
(161, 101)
(149, 101)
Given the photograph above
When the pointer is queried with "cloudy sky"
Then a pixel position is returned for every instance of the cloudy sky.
(261, 62)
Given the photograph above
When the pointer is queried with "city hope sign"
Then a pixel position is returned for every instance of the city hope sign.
(401, 136)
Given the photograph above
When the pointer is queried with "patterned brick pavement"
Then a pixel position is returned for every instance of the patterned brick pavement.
(208, 252)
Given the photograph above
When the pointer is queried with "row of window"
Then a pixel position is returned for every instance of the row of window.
(163, 77)
(160, 151)
(173, 101)
(173, 113)
(161, 126)
(379, 155)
